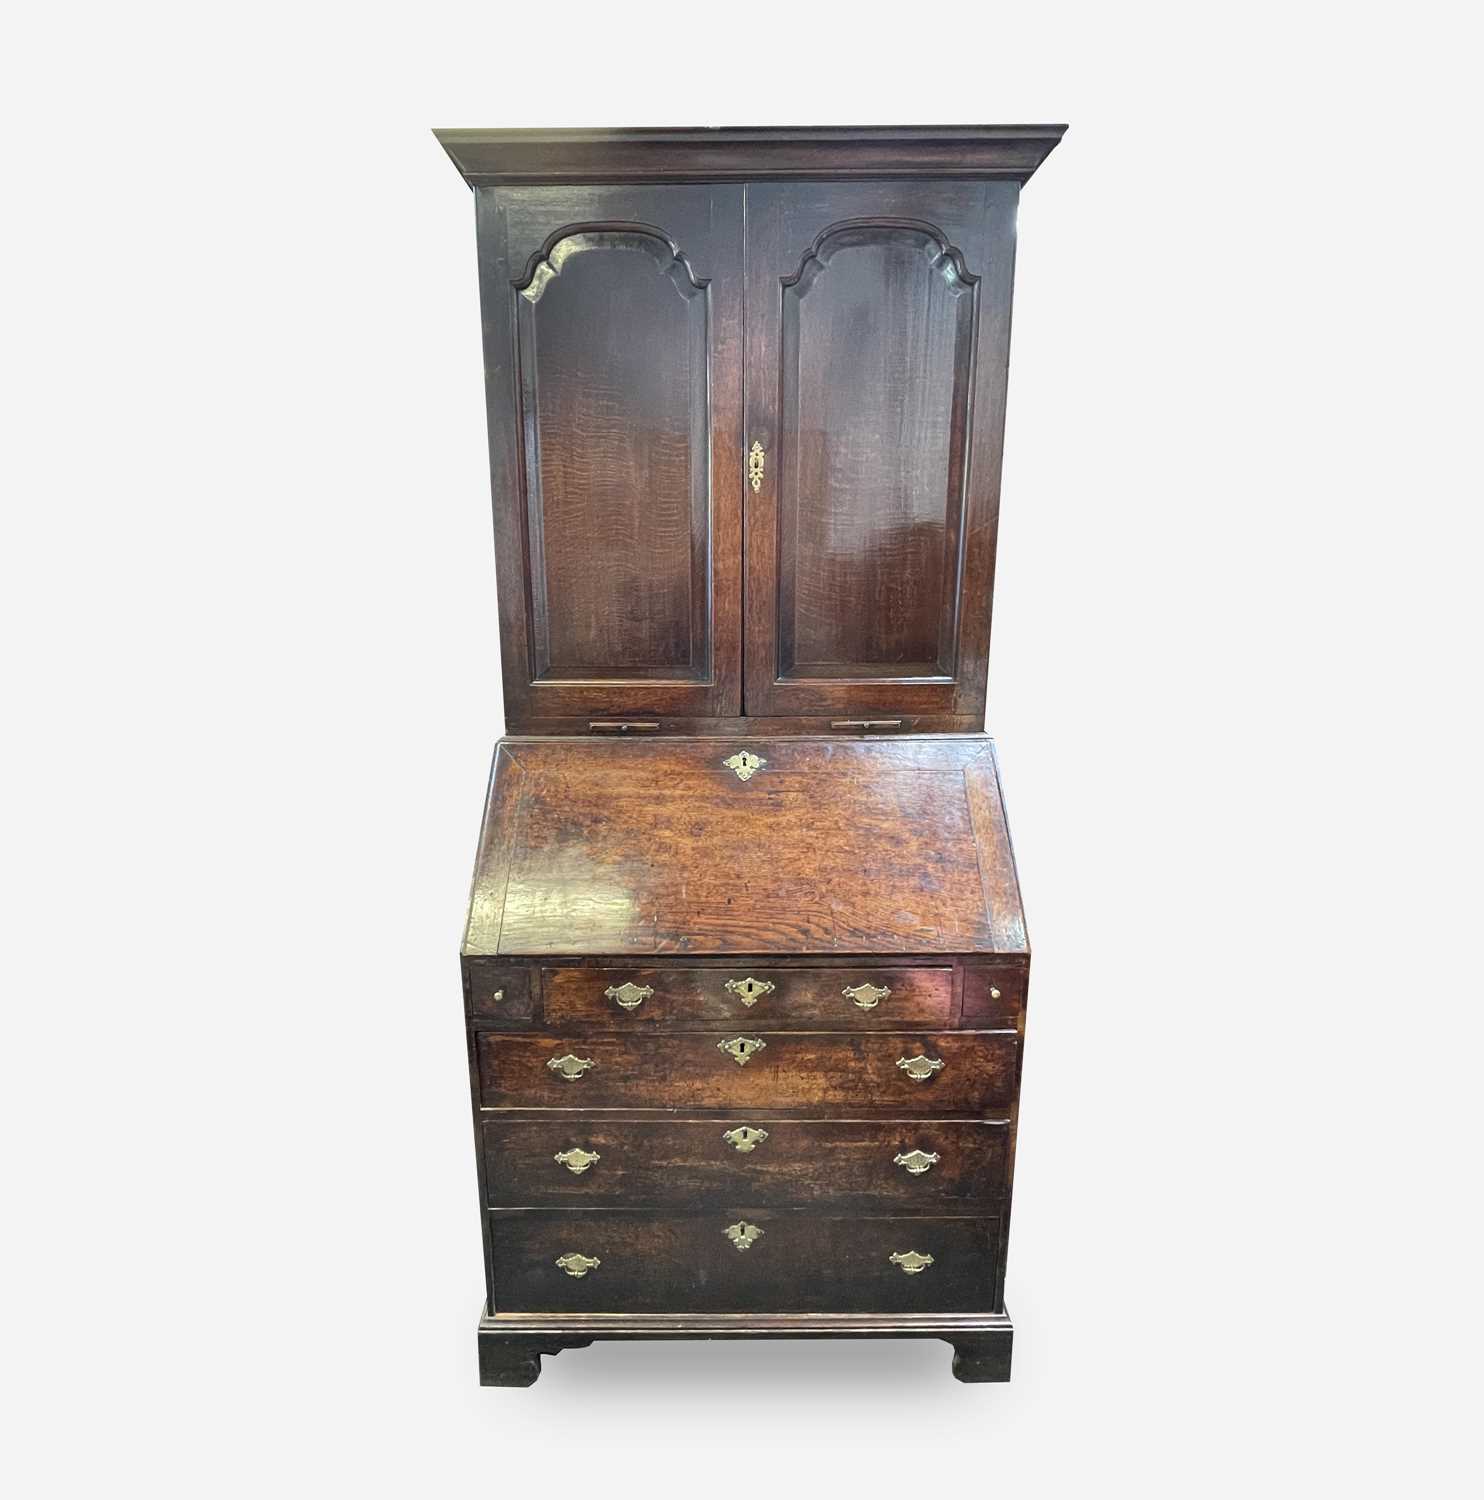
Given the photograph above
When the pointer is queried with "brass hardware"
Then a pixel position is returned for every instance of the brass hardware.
(911, 1262)
(740, 1048)
(498, 995)
(621, 726)
(742, 1234)
(577, 1161)
(578, 1265)
(865, 723)
(745, 1137)
(755, 460)
(628, 994)
(994, 994)
(916, 1162)
(867, 996)
(919, 1069)
(750, 990)
(570, 1067)
(744, 763)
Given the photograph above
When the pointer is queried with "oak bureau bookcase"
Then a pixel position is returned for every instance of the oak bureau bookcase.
(745, 964)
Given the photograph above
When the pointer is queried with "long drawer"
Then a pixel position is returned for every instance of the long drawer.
(779, 999)
(898, 1165)
(962, 1072)
(616, 1261)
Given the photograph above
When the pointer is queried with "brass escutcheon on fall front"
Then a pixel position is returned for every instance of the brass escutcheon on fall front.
(745, 1137)
(570, 1067)
(749, 991)
(740, 1048)
(744, 763)
(910, 1261)
(756, 458)
(577, 1161)
(578, 1265)
(742, 1234)
(866, 996)
(628, 994)
(919, 1069)
(916, 1162)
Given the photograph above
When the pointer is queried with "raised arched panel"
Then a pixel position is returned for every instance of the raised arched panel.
(612, 354)
(876, 345)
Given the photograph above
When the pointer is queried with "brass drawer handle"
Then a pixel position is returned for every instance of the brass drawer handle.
(577, 1161)
(866, 996)
(745, 1138)
(742, 1234)
(749, 991)
(916, 1162)
(919, 1069)
(740, 1048)
(756, 458)
(628, 994)
(911, 1262)
(578, 1265)
(570, 1067)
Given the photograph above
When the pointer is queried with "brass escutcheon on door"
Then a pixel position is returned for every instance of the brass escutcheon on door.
(740, 1048)
(742, 1234)
(919, 1069)
(749, 991)
(910, 1261)
(577, 1161)
(745, 1137)
(916, 1162)
(756, 458)
(628, 994)
(866, 996)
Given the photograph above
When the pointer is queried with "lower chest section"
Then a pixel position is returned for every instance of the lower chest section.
(741, 1139)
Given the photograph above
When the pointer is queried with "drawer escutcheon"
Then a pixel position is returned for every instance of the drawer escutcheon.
(745, 1137)
(749, 991)
(742, 1234)
(916, 1162)
(740, 1048)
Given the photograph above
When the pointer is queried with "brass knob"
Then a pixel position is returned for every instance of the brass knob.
(570, 1067)
(919, 1069)
(994, 994)
(576, 1160)
(628, 994)
(578, 1265)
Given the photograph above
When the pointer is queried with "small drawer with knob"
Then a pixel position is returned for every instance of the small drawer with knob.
(498, 992)
(910, 1166)
(993, 994)
(949, 1072)
(843, 998)
(742, 1259)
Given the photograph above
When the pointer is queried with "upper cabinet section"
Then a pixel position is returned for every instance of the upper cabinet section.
(746, 400)
(612, 323)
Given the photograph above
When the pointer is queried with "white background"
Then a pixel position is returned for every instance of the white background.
(252, 685)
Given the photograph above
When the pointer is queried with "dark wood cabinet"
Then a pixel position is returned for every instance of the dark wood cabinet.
(745, 965)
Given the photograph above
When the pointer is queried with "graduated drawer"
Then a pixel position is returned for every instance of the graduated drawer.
(564, 1162)
(882, 999)
(792, 1070)
(690, 1262)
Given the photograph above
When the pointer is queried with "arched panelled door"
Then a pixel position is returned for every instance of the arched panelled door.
(877, 335)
